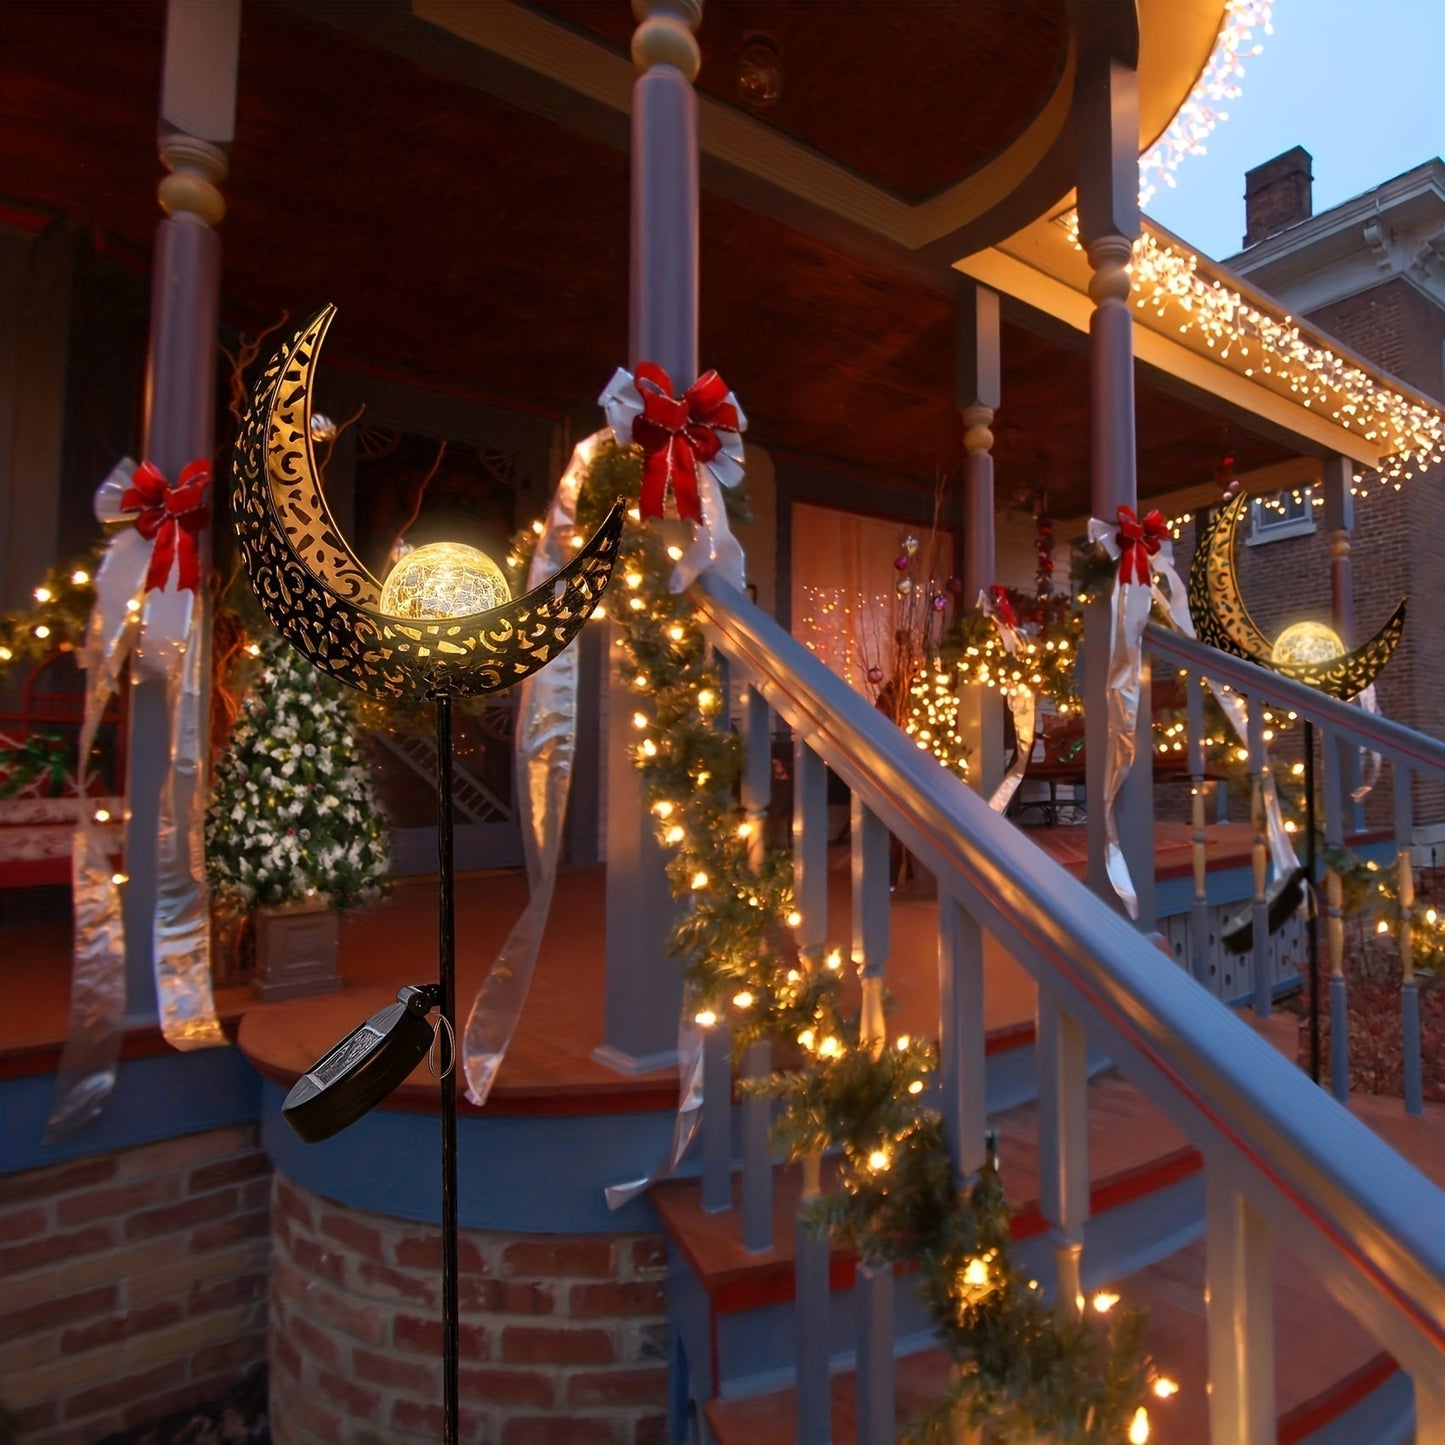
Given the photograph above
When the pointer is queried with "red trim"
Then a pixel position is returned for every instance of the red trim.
(25, 218)
(578, 1100)
(1301, 1422)
(772, 1282)
(144, 1043)
(112, 248)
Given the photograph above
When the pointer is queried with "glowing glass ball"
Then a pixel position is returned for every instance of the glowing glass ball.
(443, 579)
(1305, 643)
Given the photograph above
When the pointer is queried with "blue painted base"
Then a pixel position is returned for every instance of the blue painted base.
(155, 1098)
(539, 1174)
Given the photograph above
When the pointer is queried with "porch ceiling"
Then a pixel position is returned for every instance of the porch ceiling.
(483, 249)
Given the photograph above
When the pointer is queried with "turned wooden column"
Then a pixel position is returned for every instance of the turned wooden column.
(197, 124)
(1107, 131)
(977, 386)
(644, 985)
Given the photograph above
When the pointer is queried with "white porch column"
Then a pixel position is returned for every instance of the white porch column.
(644, 985)
(1107, 130)
(978, 393)
(197, 123)
(1335, 484)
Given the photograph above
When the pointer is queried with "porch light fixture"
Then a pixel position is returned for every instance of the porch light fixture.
(443, 626)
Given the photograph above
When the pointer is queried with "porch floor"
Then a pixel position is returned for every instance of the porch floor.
(551, 1061)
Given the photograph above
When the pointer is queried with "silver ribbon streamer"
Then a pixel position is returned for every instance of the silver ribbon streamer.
(545, 746)
(1022, 704)
(713, 546)
(159, 635)
(1132, 605)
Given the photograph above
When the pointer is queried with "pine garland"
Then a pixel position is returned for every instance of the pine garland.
(1025, 1367)
(292, 814)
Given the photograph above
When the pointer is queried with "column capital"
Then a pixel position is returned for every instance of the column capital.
(1110, 257)
(664, 35)
(190, 192)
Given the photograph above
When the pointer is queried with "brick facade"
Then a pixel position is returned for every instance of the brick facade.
(564, 1337)
(132, 1284)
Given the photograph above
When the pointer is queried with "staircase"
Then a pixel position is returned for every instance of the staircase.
(471, 797)
(1150, 1142)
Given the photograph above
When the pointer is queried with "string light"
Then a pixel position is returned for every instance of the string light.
(1409, 436)
(1139, 1427)
(1217, 83)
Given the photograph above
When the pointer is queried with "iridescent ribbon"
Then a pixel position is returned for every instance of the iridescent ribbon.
(545, 745)
(1137, 545)
(138, 617)
(713, 546)
(1022, 703)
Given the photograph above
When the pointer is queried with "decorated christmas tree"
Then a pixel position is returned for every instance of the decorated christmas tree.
(293, 815)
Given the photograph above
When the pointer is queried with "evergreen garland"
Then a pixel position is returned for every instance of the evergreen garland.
(1025, 1366)
(292, 814)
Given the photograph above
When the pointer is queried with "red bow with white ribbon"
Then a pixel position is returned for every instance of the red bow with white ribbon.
(1138, 542)
(170, 518)
(676, 433)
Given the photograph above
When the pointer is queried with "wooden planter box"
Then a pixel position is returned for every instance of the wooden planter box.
(296, 951)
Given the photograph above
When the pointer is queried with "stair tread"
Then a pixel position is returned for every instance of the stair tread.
(1129, 1140)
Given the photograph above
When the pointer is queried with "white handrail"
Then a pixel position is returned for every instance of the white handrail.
(1370, 1223)
(1380, 734)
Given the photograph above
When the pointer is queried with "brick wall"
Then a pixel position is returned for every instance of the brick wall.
(1396, 327)
(132, 1284)
(564, 1337)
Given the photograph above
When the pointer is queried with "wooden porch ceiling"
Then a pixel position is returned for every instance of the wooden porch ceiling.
(473, 246)
(912, 107)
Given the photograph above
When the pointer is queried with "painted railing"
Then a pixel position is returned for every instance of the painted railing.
(1344, 732)
(1282, 1158)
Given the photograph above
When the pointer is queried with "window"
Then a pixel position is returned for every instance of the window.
(1285, 514)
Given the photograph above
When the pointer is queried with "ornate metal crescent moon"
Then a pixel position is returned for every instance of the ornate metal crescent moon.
(1222, 620)
(320, 597)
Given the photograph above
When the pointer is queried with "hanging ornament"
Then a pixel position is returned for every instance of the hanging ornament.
(901, 563)
(1224, 474)
(875, 675)
(939, 601)
(1043, 549)
(905, 586)
(910, 545)
(954, 586)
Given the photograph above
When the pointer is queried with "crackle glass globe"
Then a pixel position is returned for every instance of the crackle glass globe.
(1304, 643)
(443, 579)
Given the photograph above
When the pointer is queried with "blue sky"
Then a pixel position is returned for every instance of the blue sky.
(1357, 83)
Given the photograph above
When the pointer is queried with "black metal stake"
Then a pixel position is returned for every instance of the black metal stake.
(447, 969)
(1313, 915)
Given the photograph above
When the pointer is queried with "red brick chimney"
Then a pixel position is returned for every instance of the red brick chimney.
(1277, 195)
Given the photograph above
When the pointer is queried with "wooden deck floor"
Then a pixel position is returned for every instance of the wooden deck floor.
(392, 943)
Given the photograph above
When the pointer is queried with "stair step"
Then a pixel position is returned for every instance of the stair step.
(1128, 1140)
(1333, 1386)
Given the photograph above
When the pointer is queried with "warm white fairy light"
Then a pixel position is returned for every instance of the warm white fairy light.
(932, 720)
(1217, 83)
(1408, 435)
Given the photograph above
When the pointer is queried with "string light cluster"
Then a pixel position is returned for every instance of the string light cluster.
(1022, 1365)
(1217, 85)
(1409, 435)
(932, 719)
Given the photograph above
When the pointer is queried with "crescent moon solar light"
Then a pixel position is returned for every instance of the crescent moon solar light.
(1308, 652)
(318, 595)
(444, 625)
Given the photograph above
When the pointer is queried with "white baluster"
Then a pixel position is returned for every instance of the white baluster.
(1258, 775)
(1410, 989)
(757, 782)
(961, 1040)
(1239, 1308)
(1062, 1064)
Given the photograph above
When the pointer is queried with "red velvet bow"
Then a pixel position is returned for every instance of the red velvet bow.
(1138, 542)
(170, 517)
(1003, 609)
(676, 433)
